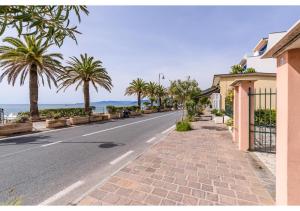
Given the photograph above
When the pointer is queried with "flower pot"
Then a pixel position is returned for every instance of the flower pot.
(56, 123)
(148, 111)
(134, 113)
(79, 120)
(114, 116)
(219, 119)
(13, 128)
(96, 118)
(106, 116)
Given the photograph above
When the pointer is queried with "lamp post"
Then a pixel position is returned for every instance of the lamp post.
(159, 75)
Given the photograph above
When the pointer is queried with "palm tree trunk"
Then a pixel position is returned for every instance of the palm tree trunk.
(139, 100)
(33, 93)
(151, 102)
(86, 95)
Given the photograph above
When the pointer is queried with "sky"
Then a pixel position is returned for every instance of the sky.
(143, 41)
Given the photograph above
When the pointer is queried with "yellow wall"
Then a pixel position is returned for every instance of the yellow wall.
(261, 82)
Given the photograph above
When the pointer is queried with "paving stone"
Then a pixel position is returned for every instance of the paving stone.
(98, 194)
(225, 191)
(184, 190)
(175, 196)
(209, 188)
(168, 202)
(89, 200)
(138, 196)
(109, 187)
(153, 200)
(198, 193)
(189, 200)
(160, 192)
(200, 167)
(212, 197)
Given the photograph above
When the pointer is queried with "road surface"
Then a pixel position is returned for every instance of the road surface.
(58, 167)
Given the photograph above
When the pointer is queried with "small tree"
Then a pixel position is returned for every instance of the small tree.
(250, 70)
(236, 69)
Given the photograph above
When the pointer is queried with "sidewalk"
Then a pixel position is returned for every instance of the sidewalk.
(200, 167)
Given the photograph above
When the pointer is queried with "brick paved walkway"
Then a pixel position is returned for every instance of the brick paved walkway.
(201, 167)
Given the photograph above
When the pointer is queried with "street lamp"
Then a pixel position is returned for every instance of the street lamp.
(163, 77)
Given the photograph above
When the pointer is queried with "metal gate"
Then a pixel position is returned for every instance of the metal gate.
(262, 120)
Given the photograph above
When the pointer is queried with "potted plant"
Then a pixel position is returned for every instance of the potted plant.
(219, 117)
(229, 124)
(55, 120)
(75, 120)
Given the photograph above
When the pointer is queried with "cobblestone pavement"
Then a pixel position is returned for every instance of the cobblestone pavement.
(200, 167)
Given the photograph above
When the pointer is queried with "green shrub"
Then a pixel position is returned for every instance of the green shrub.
(22, 118)
(115, 109)
(229, 122)
(183, 126)
(220, 113)
(265, 117)
(214, 111)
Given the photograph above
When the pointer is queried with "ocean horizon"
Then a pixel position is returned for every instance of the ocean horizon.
(100, 106)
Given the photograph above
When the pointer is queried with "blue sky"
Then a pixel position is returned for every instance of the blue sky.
(132, 42)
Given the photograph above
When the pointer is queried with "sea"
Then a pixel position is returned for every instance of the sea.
(14, 109)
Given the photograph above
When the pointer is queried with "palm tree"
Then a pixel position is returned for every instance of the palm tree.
(137, 87)
(29, 56)
(151, 91)
(160, 93)
(83, 71)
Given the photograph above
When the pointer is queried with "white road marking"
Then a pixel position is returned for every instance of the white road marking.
(62, 193)
(167, 130)
(150, 140)
(45, 145)
(120, 126)
(37, 133)
(120, 158)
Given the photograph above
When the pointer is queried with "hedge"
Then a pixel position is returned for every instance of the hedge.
(58, 112)
(265, 117)
(115, 109)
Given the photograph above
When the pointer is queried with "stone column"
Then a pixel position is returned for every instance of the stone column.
(288, 128)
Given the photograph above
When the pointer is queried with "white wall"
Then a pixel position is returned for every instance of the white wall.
(262, 65)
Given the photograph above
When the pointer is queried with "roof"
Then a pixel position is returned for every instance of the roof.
(237, 82)
(217, 77)
(211, 90)
(286, 42)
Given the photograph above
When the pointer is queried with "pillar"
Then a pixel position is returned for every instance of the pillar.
(287, 126)
(243, 110)
(235, 114)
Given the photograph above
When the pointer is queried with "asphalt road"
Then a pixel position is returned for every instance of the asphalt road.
(58, 167)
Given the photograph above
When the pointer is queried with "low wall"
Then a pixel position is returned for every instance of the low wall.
(79, 120)
(13, 128)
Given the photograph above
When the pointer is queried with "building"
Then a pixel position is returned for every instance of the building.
(223, 82)
(254, 60)
(265, 76)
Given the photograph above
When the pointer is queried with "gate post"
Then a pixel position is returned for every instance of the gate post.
(288, 132)
(235, 114)
(242, 109)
